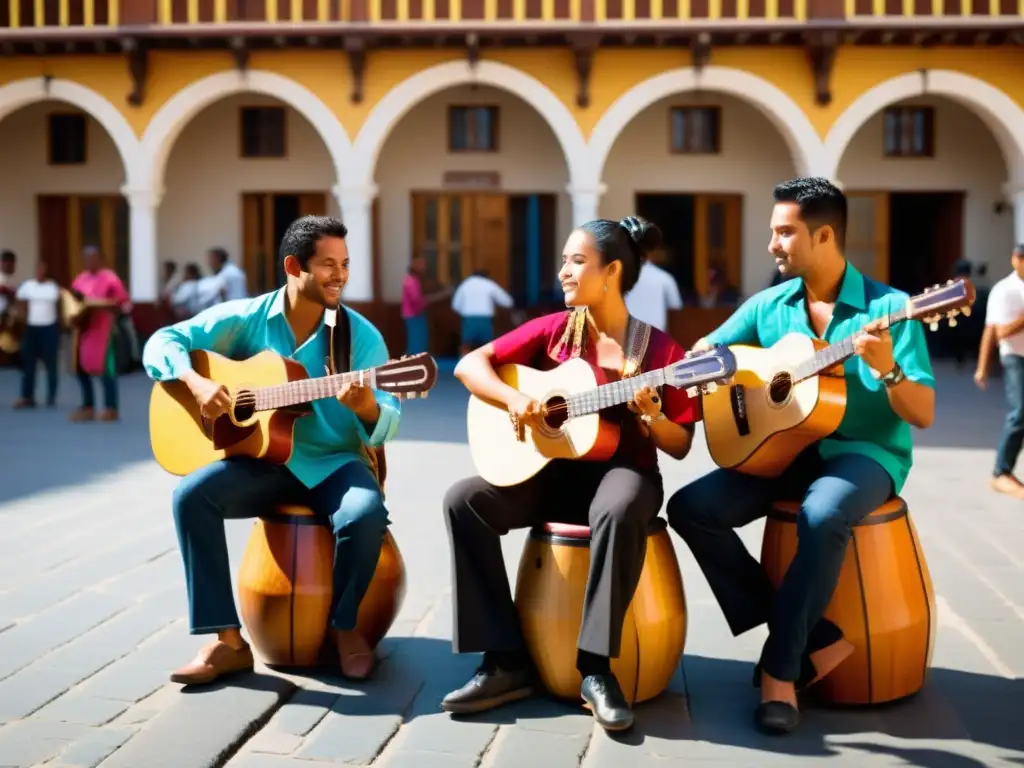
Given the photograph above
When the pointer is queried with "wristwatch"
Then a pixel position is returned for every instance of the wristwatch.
(647, 419)
(893, 377)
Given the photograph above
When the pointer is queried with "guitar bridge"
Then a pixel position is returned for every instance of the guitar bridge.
(738, 398)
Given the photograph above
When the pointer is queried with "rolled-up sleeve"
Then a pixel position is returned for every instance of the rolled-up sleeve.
(166, 354)
(369, 351)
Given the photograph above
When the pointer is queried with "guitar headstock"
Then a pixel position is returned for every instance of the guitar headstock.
(942, 301)
(702, 372)
(408, 377)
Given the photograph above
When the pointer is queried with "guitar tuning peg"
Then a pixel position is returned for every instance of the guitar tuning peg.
(710, 387)
(933, 326)
(952, 322)
(423, 395)
(949, 282)
(691, 391)
(966, 311)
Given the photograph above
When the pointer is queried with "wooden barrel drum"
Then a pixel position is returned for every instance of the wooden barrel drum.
(285, 588)
(884, 603)
(550, 588)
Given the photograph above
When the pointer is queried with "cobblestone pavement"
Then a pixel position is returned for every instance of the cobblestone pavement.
(92, 620)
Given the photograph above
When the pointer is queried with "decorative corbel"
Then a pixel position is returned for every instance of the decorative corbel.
(137, 57)
(240, 53)
(822, 53)
(355, 47)
(583, 48)
(700, 50)
(472, 49)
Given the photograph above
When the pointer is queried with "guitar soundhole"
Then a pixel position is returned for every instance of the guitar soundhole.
(780, 388)
(557, 413)
(245, 406)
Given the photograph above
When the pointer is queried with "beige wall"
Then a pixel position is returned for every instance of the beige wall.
(967, 159)
(25, 173)
(753, 159)
(415, 158)
(206, 177)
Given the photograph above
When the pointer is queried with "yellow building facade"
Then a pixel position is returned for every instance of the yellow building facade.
(479, 154)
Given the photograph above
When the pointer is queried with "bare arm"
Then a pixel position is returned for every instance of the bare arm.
(988, 339)
(674, 439)
(1006, 330)
(913, 402)
(477, 374)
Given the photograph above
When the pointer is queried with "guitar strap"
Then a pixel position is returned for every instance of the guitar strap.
(637, 340)
(576, 333)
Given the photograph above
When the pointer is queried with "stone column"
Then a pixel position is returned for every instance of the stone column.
(356, 206)
(144, 283)
(1014, 192)
(584, 202)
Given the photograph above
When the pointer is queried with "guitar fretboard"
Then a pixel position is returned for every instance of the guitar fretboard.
(836, 353)
(613, 393)
(307, 390)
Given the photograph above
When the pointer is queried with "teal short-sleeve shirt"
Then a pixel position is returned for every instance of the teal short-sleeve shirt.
(870, 426)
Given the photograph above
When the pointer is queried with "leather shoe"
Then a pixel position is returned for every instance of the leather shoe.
(776, 717)
(607, 702)
(491, 686)
(213, 661)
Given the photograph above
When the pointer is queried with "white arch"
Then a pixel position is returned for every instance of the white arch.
(21, 93)
(175, 114)
(1003, 116)
(413, 90)
(784, 113)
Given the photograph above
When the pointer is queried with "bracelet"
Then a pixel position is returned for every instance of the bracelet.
(648, 419)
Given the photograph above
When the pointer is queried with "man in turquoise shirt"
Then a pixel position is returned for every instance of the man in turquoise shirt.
(842, 479)
(328, 470)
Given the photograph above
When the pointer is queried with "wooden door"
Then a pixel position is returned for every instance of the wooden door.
(717, 238)
(458, 233)
(312, 204)
(492, 242)
(867, 233)
(69, 223)
(259, 242)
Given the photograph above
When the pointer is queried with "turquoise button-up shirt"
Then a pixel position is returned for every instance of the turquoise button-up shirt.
(870, 426)
(332, 435)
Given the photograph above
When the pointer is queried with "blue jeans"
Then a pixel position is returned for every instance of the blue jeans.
(417, 334)
(240, 487)
(40, 342)
(477, 330)
(109, 384)
(1013, 428)
(836, 495)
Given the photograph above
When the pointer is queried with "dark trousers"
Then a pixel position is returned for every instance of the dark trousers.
(40, 343)
(1013, 427)
(109, 384)
(349, 501)
(618, 503)
(836, 494)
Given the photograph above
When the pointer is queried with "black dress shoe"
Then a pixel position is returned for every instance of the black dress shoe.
(607, 702)
(491, 686)
(776, 717)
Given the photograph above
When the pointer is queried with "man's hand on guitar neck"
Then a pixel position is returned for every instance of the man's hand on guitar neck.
(214, 399)
(361, 401)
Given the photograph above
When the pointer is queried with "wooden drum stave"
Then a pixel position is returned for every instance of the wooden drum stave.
(884, 603)
(550, 588)
(285, 588)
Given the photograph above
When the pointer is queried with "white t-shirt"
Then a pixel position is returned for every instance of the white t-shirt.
(43, 301)
(1006, 304)
(185, 297)
(476, 296)
(654, 294)
(233, 280)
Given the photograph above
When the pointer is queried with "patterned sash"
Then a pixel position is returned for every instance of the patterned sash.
(577, 332)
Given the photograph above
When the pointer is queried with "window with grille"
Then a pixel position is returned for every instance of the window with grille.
(472, 129)
(695, 130)
(909, 132)
(263, 131)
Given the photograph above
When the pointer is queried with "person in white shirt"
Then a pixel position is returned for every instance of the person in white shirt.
(41, 299)
(654, 294)
(231, 278)
(1005, 314)
(474, 301)
(185, 299)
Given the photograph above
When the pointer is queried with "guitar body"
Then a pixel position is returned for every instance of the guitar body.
(180, 440)
(783, 418)
(502, 460)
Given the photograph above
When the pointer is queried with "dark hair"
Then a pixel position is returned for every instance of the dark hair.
(1018, 250)
(303, 234)
(629, 241)
(193, 269)
(7, 255)
(821, 203)
(220, 253)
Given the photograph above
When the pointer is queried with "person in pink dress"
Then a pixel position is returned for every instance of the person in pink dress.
(94, 340)
(414, 307)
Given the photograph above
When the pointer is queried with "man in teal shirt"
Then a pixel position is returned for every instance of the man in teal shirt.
(842, 479)
(328, 470)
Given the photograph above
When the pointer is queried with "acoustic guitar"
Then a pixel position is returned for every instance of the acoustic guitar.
(572, 395)
(269, 393)
(793, 394)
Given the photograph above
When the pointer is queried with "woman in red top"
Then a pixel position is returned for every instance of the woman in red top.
(617, 498)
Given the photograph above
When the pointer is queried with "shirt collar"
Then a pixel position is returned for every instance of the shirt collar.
(277, 305)
(851, 291)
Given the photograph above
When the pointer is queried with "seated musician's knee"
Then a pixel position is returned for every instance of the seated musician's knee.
(461, 497)
(188, 499)
(822, 520)
(362, 514)
(688, 510)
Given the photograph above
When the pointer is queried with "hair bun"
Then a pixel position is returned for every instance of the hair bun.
(645, 234)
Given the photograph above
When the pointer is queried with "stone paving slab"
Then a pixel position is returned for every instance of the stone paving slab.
(92, 613)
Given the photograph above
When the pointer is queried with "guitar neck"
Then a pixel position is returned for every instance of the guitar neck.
(308, 390)
(613, 393)
(837, 353)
